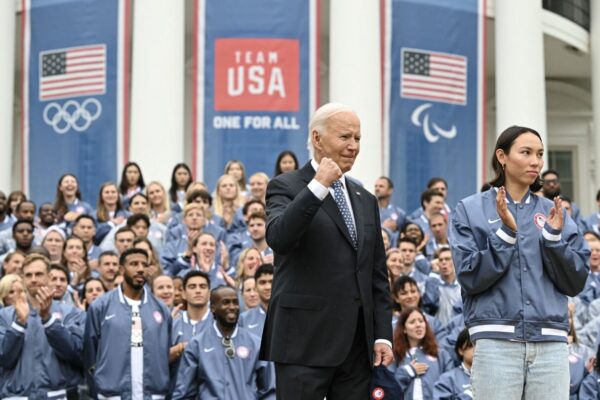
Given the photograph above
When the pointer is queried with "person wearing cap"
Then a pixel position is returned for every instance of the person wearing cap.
(222, 361)
(40, 340)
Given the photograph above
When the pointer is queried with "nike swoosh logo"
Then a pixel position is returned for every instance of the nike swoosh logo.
(252, 326)
(109, 317)
(491, 221)
(208, 350)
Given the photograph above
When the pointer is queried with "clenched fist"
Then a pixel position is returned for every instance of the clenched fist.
(328, 172)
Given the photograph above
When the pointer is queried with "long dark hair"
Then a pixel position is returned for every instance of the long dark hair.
(123, 186)
(60, 205)
(280, 156)
(505, 142)
(173, 188)
(401, 344)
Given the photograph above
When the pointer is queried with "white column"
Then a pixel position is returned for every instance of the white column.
(520, 73)
(7, 76)
(157, 79)
(595, 64)
(355, 77)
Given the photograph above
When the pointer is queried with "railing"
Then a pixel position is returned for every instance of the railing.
(577, 11)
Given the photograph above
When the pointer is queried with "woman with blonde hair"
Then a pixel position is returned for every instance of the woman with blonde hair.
(154, 268)
(258, 186)
(160, 206)
(109, 211)
(11, 287)
(250, 259)
(227, 200)
(236, 169)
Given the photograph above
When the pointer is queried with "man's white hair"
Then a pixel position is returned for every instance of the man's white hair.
(319, 119)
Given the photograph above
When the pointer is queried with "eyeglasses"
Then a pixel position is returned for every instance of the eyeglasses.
(227, 342)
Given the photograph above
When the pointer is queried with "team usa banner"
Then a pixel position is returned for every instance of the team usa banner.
(255, 82)
(75, 93)
(434, 83)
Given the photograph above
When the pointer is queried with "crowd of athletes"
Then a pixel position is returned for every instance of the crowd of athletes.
(152, 292)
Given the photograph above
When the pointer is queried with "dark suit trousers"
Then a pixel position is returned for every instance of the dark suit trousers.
(349, 381)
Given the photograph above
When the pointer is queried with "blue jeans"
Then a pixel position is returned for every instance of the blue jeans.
(506, 370)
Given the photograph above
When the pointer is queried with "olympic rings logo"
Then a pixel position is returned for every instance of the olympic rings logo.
(72, 115)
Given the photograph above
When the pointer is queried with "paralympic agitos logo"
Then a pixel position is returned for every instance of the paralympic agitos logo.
(257, 74)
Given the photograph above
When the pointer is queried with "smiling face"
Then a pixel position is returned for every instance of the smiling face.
(594, 256)
(258, 187)
(156, 195)
(394, 264)
(74, 249)
(340, 140)
(225, 306)
(68, 186)
(287, 163)
(16, 291)
(138, 205)
(250, 294)
(110, 195)
(206, 246)
(408, 296)
(163, 288)
(251, 262)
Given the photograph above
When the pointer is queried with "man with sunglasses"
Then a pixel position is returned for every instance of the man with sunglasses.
(551, 189)
(222, 362)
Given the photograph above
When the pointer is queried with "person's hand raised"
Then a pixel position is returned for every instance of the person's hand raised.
(555, 217)
(503, 212)
(328, 172)
(22, 309)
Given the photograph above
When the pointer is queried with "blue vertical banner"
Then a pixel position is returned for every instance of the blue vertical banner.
(434, 83)
(255, 82)
(75, 93)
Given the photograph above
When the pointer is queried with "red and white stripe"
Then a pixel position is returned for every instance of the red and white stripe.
(446, 82)
(85, 74)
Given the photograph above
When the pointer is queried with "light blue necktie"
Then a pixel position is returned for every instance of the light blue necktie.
(340, 199)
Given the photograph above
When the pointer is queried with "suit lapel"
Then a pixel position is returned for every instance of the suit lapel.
(329, 205)
(331, 208)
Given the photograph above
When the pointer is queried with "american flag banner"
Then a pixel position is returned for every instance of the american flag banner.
(433, 96)
(429, 75)
(76, 71)
(75, 85)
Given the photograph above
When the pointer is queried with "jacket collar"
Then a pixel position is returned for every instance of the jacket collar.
(122, 296)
